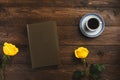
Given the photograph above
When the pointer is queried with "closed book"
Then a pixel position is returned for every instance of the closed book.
(43, 44)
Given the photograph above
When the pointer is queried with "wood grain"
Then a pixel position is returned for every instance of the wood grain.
(74, 37)
(16, 14)
(62, 3)
(111, 55)
(63, 16)
(23, 72)
(68, 35)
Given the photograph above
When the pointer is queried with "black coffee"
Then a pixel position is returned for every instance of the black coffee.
(93, 23)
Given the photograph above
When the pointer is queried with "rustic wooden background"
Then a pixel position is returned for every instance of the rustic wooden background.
(15, 14)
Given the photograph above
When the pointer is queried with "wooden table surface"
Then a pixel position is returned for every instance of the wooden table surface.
(16, 14)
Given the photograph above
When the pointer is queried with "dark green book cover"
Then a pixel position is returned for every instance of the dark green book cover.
(43, 44)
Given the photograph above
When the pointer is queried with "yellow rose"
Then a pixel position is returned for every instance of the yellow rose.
(10, 49)
(81, 52)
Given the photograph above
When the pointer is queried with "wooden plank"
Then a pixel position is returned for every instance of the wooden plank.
(72, 36)
(88, 3)
(62, 3)
(97, 3)
(68, 35)
(63, 16)
(23, 72)
(15, 38)
(111, 55)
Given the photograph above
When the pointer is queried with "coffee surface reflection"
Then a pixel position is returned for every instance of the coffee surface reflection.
(93, 23)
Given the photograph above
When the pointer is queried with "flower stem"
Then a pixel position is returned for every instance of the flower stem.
(86, 67)
(2, 74)
(5, 60)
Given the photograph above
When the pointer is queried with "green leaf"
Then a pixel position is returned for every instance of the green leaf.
(94, 76)
(82, 73)
(77, 75)
(96, 68)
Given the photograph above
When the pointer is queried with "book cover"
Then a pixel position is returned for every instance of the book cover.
(43, 44)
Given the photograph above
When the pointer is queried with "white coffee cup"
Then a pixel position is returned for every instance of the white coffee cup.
(92, 24)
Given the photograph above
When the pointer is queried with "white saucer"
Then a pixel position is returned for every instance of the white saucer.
(92, 34)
